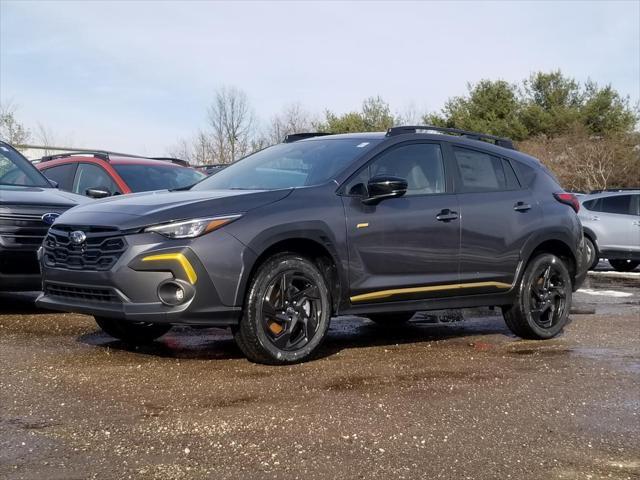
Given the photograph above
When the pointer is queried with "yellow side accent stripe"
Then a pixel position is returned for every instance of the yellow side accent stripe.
(432, 288)
(178, 257)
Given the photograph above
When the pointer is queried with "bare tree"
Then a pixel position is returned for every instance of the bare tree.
(12, 131)
(292, 119)
(232, 124)
(45, 137)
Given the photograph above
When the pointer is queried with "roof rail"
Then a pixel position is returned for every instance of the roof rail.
(102, 155)
(177, 161)
(614, 190)
(499, 141)
(294, 137)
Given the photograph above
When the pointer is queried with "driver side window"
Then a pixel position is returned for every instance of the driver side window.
(420, 164)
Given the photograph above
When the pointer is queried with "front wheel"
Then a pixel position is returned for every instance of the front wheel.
(542, 306)
(287, 313)
(624, 265)
(132, 332)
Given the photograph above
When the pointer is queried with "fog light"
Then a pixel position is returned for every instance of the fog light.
(171, 293)
(179, 294)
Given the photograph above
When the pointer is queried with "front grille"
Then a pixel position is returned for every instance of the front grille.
(81, 293)
(22, 226)
(19, 263)
(99, 252)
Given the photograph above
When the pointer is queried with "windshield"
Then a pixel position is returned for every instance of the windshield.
(289, 165)
(15, 170)
(145, 178)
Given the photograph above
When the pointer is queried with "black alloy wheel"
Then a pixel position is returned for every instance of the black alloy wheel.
(290, 310)
(287, 311)
(541, 309)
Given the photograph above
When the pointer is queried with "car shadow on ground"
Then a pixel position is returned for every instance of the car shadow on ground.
(22, 303)
(345, 333)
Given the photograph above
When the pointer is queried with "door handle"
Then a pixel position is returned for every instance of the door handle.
(522, 207)
(447, 215)
(637, 223)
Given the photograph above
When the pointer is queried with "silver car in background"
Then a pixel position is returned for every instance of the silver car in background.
(611, 222)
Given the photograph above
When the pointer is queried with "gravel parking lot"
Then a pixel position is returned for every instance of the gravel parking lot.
(443, 397)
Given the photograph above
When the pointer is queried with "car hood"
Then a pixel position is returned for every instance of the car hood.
(13, 195)
(139, 210)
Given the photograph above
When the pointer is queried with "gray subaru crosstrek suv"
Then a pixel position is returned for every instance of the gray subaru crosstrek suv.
(379, 225)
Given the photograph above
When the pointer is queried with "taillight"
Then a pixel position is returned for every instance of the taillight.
(568, 199)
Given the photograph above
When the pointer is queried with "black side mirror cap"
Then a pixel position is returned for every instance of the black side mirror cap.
(384, 186)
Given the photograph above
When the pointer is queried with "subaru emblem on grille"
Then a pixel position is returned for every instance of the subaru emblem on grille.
(77, 237)
(49, 218)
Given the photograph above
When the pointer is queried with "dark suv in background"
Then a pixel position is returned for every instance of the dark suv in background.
(29, 204)
(371, 224)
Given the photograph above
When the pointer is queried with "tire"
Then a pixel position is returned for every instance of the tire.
(132, 332)
(543, 301)
(624, 265)
(287, 311)
(592, 251)
(391, 319)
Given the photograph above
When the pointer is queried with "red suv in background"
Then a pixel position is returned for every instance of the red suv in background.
(102, 174)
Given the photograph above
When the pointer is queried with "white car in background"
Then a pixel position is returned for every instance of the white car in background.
(611, 222)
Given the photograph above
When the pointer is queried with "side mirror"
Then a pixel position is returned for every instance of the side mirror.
(53, 183)
(97, 192)
(382, 187)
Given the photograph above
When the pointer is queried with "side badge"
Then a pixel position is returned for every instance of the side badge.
(362, 225)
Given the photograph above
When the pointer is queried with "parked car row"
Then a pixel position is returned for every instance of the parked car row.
(273, 246)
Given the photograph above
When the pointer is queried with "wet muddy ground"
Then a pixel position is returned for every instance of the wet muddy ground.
(439, 398)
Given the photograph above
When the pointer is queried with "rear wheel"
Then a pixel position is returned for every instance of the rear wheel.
(132, 332)
(287, 312)
(624, 265)
(542, 306)
(592, 253)
(390, 319)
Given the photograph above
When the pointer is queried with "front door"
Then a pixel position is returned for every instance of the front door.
(403, 248)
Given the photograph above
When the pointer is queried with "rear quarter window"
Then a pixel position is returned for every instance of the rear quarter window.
(526, 174)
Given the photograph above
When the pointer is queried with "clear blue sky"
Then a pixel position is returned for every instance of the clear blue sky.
(135, 76)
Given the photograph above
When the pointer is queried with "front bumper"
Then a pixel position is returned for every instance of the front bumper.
(129, 289)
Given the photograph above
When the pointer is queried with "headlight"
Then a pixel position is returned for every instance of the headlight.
(191, 228)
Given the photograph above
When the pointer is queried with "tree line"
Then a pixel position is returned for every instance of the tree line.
(585, 133)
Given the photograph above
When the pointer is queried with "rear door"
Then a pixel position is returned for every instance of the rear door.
(497, 217)
(398, 249)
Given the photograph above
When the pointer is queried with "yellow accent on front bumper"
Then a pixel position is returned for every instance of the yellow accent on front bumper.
(178, 257)
(432, 288)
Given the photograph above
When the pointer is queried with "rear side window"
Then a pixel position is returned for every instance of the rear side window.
(144, 178)
(62, 175)
(620, 204)
(481, 172)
